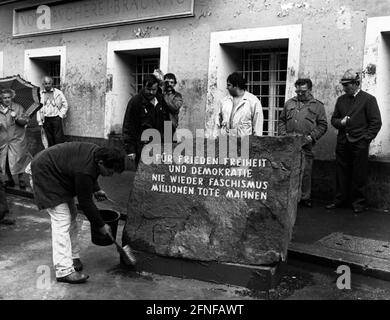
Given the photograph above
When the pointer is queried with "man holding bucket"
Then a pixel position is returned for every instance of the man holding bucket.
(61, 173)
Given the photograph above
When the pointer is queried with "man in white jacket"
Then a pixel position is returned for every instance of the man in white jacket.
(240, 113)
(51, 114)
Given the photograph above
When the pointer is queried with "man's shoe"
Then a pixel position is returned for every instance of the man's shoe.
(74, 278)
(77, 265)
(306, 203)
(334, 206)
(358, 210)
(8, 221)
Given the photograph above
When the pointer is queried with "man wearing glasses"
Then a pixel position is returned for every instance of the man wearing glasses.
(304, 115)
(358, 120)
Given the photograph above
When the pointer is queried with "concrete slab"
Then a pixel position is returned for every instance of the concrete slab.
(335, 237)
(258, 278)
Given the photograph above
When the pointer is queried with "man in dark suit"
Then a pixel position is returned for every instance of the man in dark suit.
(358, 120)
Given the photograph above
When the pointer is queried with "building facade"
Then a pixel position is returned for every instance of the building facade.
(98, 51)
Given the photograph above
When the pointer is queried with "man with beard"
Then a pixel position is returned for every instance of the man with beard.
(304, 115)
(146, 110)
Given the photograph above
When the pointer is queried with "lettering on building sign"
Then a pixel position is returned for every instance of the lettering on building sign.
(65, 15)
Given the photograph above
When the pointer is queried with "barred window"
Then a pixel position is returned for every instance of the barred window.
(265, 71)
(145, 65)
(49, 66)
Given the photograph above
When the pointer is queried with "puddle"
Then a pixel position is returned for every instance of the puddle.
(289, 283)
(128, 272)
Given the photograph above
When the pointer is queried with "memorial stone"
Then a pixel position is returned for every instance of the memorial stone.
(223, 209)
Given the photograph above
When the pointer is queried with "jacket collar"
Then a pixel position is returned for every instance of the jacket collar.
(51, 90)
(146, 101)
(4, 109)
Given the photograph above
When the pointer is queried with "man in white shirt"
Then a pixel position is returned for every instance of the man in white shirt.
(240, 113)
(51, 114)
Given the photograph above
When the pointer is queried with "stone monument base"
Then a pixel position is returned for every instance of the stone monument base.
(256, 278)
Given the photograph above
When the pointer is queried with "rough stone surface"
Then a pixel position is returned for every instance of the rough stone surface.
(208, 228)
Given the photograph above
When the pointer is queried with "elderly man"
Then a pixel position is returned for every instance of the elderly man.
(146, 110)
(358, 120)
(51, 114)
(304, 115)
(59, 174)
(240, 113)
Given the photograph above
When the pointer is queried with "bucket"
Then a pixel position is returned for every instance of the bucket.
(111, 218)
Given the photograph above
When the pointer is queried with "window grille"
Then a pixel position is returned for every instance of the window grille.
(54, 70)
(145, 65)
(265, 71)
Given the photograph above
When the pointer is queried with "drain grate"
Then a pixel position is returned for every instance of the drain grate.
(357, 245)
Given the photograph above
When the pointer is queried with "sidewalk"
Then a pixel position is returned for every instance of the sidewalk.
(326, 237)
(336, 237)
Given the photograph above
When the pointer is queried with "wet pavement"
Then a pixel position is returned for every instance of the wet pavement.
(25, 263)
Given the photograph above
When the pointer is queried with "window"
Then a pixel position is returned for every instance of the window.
(265, 71)
(268, 57)
(128, 62)
(145, 65)
(50, 66)
(376, 77)
(42, 62)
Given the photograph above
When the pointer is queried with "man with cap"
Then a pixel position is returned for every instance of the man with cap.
(358, 120)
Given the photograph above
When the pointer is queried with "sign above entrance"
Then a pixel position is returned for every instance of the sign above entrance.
(60, 16)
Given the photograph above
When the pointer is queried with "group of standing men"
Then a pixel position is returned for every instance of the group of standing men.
(358, 120)
(356, 116)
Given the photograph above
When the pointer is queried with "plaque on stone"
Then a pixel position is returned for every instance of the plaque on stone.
(203, 205)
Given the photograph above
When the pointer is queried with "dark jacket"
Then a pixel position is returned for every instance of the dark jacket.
(307, 118)
(365, 118)
(174, 101)
(64, 171)
(140, 115)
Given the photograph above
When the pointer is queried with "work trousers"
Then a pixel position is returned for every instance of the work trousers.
(65, 233)
(54, 130)
(351, 173)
